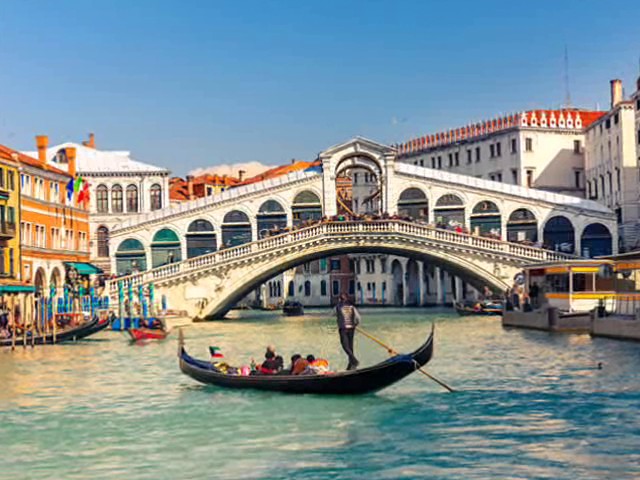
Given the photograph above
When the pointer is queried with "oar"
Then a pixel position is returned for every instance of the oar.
(394, 352)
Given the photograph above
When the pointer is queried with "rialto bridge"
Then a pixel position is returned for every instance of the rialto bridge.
(206, 254)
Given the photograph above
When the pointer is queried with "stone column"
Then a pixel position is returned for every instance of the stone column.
(459, 291)
(421, 286)
(438, 282)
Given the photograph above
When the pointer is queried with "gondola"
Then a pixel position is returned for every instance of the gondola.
(465, 310)
(353, 382)
(293, 309)
(71, 334)
(139, 334)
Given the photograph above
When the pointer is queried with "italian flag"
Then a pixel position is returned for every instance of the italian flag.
(215, 352)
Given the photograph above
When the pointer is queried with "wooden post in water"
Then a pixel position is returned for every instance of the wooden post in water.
(34, 320)
(23, 314)
(13, 322)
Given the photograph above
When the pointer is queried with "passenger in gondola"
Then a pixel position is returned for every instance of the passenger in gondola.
(316, 366)
(299, 366)
(271, 364)
(294, 359)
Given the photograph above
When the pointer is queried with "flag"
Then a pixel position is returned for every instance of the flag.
(215, 352)
(70, 190)
(78, 184)
(83, 196)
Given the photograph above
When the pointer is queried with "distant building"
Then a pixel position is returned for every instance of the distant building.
(10, 252)
(119, 187)
(538, 148)
(611, 164)
(206, 185)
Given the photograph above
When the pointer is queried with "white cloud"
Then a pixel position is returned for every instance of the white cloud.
(251, 169)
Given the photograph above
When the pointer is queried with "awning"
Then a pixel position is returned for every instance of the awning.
(84, 268)
(17, 289)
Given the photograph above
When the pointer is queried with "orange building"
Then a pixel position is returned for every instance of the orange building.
(54, 230)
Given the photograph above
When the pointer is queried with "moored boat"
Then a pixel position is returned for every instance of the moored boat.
(478, 309)
(66, 335)
(138, 334)
(293, 309)
(352, 382)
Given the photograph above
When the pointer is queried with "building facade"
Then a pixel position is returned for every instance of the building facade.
(54, 230)
(611, 164)
(10, 249)
(120, 187)
(539, 148)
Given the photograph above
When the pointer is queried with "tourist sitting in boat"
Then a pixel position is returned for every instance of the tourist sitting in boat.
(300, 365)
(271, 365)
(316, 366)
(294, 359)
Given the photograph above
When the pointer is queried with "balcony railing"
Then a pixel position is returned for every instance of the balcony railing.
(7, 229)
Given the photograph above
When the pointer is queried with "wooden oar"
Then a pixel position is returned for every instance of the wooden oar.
(394, 352)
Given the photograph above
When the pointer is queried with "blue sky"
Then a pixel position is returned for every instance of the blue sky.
(186, 84)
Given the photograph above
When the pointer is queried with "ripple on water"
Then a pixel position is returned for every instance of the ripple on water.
(528, 405)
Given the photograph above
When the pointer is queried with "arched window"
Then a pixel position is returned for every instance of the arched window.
(271, 218)
(130, 257)
(103, 241)
(596, 241)
(132, 199)
(559, 234)
(306, 207)
(165, 248)
(522, 227)
(116, 199)
(156, 197)
(485, 219)
(323, 288)
(413, 203)
(291, 291)
(449, 211)
(102, 199)
(307, 288)
(201, 238)
(236, 229)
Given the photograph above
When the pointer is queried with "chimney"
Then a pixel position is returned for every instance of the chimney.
(241, 175)
(293, 161)
(190, 186)
(42, 142)
(71, 158)
(616, 92)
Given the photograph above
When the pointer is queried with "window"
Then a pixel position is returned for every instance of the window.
(514, 145)
(116, 199)
(498, 149)
(451, 159)
(618, 178)
(383, 265)
(335, 264)
(132, 199)
(433, 160)
(323, 288)
(370, 265)
(307, 288)
(335, 288)
(156, 197)
(355, 178)
(439, 162)
(456, 159)
(477, 154)
(577, 174)
(610, 178)
(1, 177)
(368, 286)
(577, 146)
(608, 124)
(352, 287)
(323, 265)
(499, 177)
(102, 199)
(25, 181)
(492, 150)
(514, 176)
(11, 262)
(103, 241)
(616, 119)
(469, 157)
(422, 162)
(529, 178)
(306, 267)
(528, 144)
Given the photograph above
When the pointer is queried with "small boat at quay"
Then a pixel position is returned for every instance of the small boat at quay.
(482, 309)
(67, 335)
(140, 334)
(293, 309)
(351, 382)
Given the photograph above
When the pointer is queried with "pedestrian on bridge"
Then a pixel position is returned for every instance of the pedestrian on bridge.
(348, 319)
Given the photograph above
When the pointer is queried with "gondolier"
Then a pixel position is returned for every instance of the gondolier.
(348, 319)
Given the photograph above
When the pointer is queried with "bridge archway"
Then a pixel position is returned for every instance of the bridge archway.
(271, 215)
(413, 203)
(236, 229)
(130, 257)
(165, 248)
(237, 287)
(559, 234)
(522, 226)
(365, 175)
(596, 240)
(201, 238)
(306, 206)
(485, 219)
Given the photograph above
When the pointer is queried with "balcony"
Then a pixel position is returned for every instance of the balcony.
(7, 230)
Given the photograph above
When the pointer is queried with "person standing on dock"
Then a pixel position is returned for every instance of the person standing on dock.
(348, 319)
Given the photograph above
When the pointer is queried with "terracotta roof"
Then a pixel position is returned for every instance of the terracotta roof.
(178, 189)
(8, 153)
(281, 170)
(572, 119)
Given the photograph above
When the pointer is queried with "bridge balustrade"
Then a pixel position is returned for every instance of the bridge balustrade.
(268, 244)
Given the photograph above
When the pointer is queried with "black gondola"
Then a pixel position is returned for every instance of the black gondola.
(365, 380)
(293, 309)
(71, 334)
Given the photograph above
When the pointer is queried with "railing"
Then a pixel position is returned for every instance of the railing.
(8, 229)
(339, 230)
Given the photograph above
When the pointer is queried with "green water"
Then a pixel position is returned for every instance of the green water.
(529, 405)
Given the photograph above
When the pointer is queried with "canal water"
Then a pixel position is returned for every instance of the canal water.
(529, 405)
